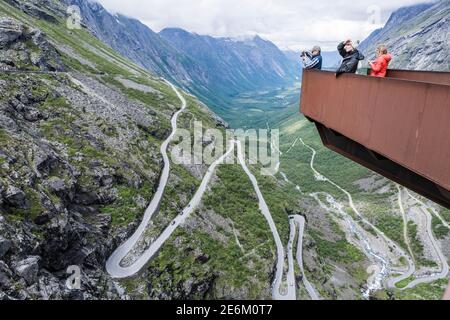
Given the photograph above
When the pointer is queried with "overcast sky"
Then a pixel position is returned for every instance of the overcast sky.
(293, 24)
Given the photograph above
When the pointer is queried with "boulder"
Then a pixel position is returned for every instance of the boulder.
(28, 269)
(29, 113)
(202, 258)
(48, 59)
(44, 159)
(15, 197)
(5, 245)
(56, 185)
(10, 31)
(66, 243)
(5, 275)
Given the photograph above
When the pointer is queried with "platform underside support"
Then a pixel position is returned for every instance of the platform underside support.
(385, 167)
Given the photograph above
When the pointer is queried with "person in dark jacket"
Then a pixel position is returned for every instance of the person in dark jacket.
(313, 59)
(351, 56)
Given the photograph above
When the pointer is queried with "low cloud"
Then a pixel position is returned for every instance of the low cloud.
(291, 24)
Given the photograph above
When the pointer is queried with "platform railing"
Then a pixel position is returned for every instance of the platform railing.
(423, 76)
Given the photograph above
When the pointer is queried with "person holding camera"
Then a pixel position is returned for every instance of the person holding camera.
(351, 57)
(312, 59)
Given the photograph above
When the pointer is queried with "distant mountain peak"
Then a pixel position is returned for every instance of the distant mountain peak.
(174, 29)
(94, 5)
(251, 38)
(406, 13)
(254, 38)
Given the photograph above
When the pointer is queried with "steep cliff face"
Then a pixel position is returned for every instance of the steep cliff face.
(57, 177)
(139, 43)
(417, 37)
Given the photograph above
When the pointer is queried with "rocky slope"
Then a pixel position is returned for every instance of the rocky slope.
(56, 173)
(80, 132)
(417, 37)
(26, 49)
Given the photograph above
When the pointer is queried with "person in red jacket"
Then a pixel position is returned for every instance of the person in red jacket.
(380, 65)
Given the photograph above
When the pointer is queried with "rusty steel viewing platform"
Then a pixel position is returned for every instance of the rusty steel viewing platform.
(398, 126)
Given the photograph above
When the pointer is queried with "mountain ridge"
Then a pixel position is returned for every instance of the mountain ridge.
(417, 37)
(257, 61)
(164, 57)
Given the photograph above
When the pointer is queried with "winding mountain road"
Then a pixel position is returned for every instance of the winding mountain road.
(443, 274)
(392, 282)
(405, 222)
(276, 288)
(117, 270)
(384, 266)
(114, 264)
(300, 222)
(426, 207)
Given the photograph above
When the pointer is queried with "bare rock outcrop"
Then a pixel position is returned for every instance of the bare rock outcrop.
(24, 48)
